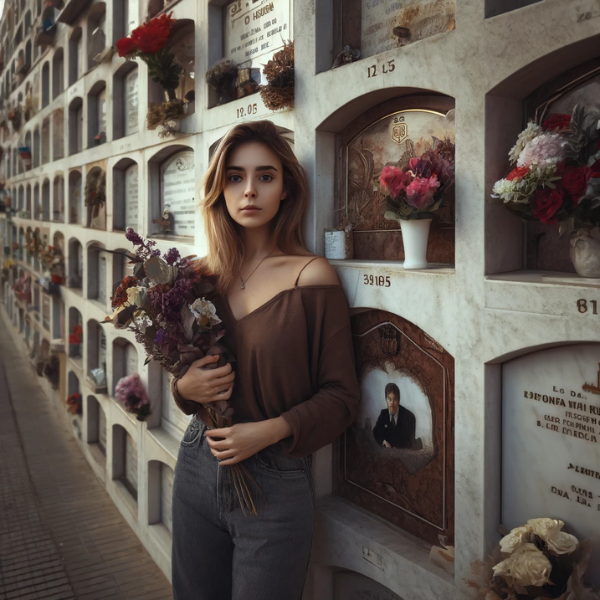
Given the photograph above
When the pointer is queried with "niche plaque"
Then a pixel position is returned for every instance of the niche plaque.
(392, 134)
(178, 192)
(551, 440)
(397, 459)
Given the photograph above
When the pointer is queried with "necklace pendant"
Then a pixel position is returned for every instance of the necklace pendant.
(243, 286)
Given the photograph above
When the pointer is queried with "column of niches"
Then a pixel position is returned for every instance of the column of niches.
(544, 374)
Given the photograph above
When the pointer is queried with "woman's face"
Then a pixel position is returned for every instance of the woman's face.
(253, 184)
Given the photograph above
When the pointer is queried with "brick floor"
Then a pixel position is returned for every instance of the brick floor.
(59, 530)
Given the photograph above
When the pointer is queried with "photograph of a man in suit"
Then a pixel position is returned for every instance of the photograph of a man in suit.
(395, 427)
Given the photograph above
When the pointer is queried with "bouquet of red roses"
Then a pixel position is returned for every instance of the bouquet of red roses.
(556, 175)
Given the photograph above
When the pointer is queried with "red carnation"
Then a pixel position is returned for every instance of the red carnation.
(575, 182)
(152, 37)
(126, 47)
(595, 170)
(546, 203)
(557, 122)
(517, 173)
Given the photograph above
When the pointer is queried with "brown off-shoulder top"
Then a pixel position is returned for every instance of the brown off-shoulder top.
(295, 359)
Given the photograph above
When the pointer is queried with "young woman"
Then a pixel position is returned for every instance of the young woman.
(293, 386)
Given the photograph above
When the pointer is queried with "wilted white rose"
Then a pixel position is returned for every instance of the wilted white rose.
(515, 539)
(563, 543)
(136, 295)
(502, 569)
(547, 529)
(530, 566)
(205, 312)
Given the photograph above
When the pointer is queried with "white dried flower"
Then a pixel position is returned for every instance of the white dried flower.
(545, 149)
(530, 566)
(205, 312)
(531, 132)
(563, 543)
(502, 569)
(136, 295)
(545, 528)
(515, 539)
(142, 321)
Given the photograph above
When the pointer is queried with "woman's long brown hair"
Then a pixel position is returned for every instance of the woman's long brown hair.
(225, 242)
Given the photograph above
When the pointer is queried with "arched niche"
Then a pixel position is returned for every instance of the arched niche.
(96, 424)
(46, 200)
(125, 361)
(96, 33)
(75, 193)
(160, 493)
(37, 207)
(36, 257)
(21, 196)
(95, 198)
(76, 56)
(58, 73)
(97, 132)
(125, 461)
(45, 84)
(72, 384)
(58, 134)
(37, 148)
(58, 319)
(75, 127)
(58, 198)
(96, 357)
(404, 474)
(125, 195)
(28, 205)
(553, 83)
(97, 267)
(173, 189)
(120, 268)
(28, 236)
(125, 110)
(75, 334)
(388, 132)
(46, 140)
(75, 264)
(28, 145)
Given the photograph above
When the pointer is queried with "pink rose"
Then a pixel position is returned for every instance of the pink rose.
(421, 191)
(394, 180)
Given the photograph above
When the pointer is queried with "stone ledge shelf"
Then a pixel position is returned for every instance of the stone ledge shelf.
(396, 267)
(541, 292)
(344, 534)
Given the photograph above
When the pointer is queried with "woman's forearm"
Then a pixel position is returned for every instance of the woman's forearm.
(277, 429)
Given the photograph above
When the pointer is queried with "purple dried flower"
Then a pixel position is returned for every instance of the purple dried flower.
(130, 391)
(172, 256)
(158, 338)
(169, 303)
(133, 237)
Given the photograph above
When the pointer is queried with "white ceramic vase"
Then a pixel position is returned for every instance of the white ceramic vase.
(415, 234)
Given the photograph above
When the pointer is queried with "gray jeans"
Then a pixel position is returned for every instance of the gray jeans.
(220, 554)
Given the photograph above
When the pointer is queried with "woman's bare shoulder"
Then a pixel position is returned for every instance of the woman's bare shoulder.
(317, 271)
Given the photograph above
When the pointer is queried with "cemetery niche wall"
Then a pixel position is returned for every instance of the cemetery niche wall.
(401, 471)
(550, 440)
(391, 134)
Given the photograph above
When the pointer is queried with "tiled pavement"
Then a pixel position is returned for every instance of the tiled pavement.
(61, 537)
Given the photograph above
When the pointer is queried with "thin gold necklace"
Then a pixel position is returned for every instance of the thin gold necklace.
(243, 286)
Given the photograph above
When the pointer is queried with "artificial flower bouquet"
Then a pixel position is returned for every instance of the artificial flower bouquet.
(537, 561)
(556, 175)
(130, 391)
(74, 404)
(417, 191)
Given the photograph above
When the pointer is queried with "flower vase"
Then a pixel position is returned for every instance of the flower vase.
(415, 234)
(585, 252)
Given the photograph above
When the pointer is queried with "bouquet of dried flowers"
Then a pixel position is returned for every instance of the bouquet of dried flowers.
(537, 561)
(74, 404)
(95, 192)
(222, 77)
(164, 303)
(130, 391)
(76, 334)
(556, 175)
(279, 71)
(22, 289)
(420, 189)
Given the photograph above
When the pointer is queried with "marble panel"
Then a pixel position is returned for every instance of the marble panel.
(166, 495)
(170, 411)
(131, 360)
(178, 192)
(423, 18)
(131, 102)
(58, 135)
(102, 281)
(353, 586)
(256, 30)
(131, 461)
(131, 197)
(101, 429)
(133, 9)
(401, 471)
(550, 440)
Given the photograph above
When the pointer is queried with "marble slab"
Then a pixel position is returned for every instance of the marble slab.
(166, 494)
(550, 440)
(131, 102)
(131, 461)
(179, 192)
(131, 197)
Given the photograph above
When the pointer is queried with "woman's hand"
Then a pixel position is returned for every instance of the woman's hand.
(202, 383)
(243, 440)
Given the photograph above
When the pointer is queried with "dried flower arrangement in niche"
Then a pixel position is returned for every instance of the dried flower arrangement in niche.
(95, 192)
(131, 393)
(278, 93)
(537, 561)
(231, 81)
(149, 42)
(74, 404)
(556, 180)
